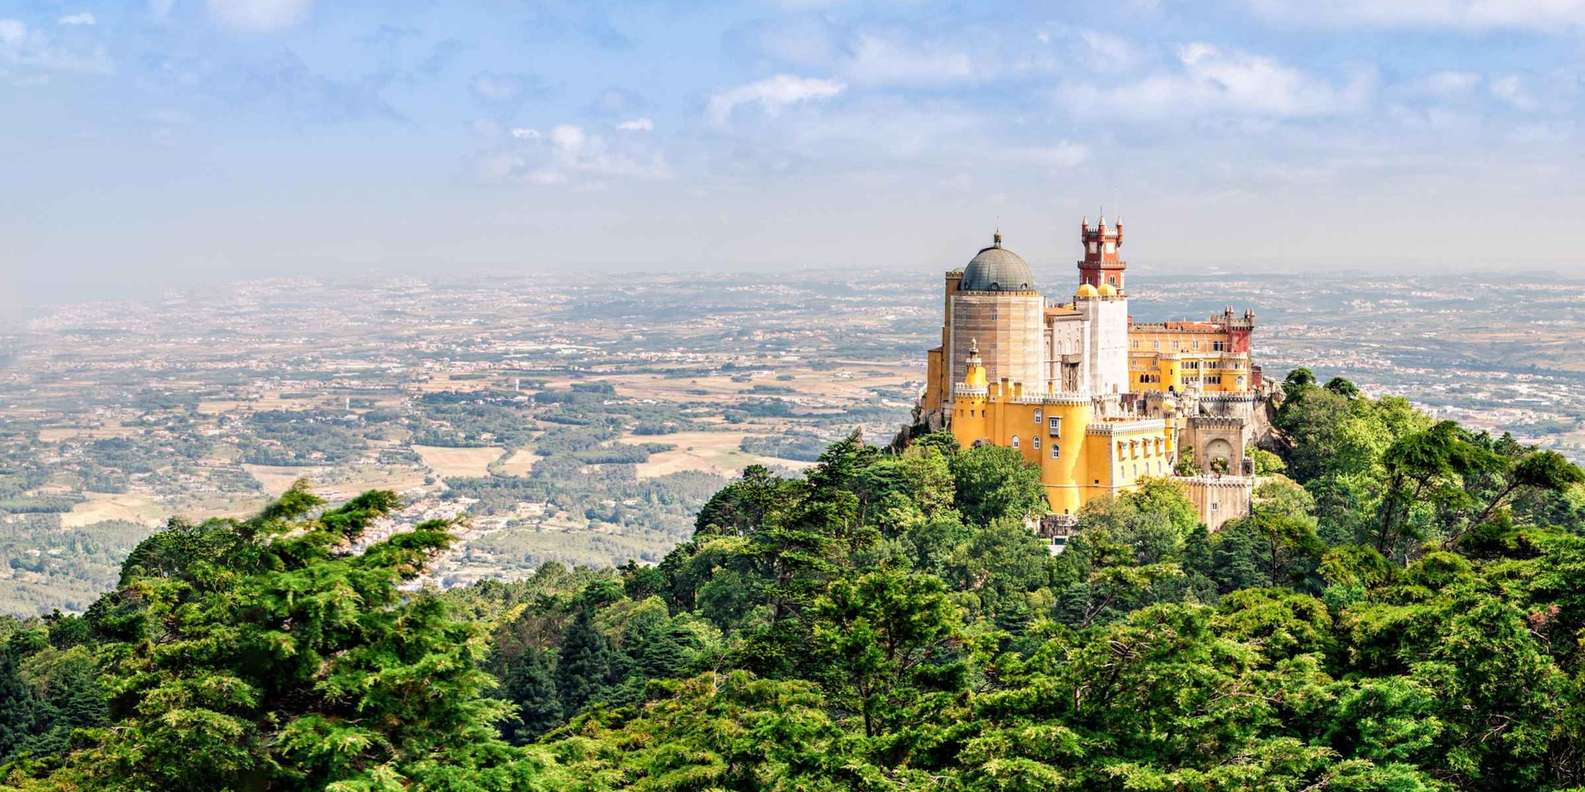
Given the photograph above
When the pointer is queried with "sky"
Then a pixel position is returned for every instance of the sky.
(151, 143)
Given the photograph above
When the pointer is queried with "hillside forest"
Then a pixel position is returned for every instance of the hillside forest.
(1403, 610)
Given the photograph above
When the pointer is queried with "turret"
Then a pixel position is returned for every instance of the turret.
(970, 399)
(1101, 263)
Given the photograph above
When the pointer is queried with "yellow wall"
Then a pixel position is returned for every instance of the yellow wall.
(1150, 372)
(1159, 359)
(1064, 476)
(1088, 466)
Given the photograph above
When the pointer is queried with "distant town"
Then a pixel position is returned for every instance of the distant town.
(585, 421)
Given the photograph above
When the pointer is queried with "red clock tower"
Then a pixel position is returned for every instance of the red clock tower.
(1101, 263)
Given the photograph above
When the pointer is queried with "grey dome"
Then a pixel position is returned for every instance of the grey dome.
(997, 269)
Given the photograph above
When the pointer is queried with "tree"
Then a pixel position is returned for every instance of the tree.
(742, 506)
(886, 641)
(1343, 387)
(529, 685)
(1546, 471)
(1267, 463)
(717, 731)
(1297, 380)
(1267, 549)
(1427, 469)
(995, 482)
(583, 669)
(18, 707)
(274, 657)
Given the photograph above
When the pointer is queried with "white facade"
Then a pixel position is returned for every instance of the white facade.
(1106, 356)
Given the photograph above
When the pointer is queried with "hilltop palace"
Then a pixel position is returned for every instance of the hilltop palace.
(1094, 398)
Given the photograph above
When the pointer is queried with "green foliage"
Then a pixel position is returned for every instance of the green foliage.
(269, 657)
(1403, 614)
(995, 482)
(885, 642)
(1267, 463)
(1383, 474)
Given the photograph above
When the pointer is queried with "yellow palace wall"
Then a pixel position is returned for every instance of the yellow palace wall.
(1159, 359)
(1094, 459)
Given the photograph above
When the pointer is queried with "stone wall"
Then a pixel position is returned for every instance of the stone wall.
(1219, 498)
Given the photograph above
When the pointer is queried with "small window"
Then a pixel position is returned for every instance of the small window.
(1056, 451)
(1037, 415)
(1036, 441)
(1015, 441)
(1054, 425)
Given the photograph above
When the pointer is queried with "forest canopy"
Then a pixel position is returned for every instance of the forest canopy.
(1403, 609)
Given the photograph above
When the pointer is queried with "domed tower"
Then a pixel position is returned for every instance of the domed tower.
(995, 301)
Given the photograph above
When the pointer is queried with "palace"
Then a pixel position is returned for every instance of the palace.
(1097, 400)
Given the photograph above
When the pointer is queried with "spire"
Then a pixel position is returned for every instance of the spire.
(996, 238)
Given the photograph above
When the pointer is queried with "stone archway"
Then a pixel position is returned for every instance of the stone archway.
(1219, 448)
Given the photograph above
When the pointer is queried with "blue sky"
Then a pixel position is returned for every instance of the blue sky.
(155, 142)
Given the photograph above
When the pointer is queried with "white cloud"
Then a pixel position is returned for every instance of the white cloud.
(772, 94)
(1469, 15)
(643, 124)
(1446, 84)
(1107, 50)
(12, 33)
(259, 16)
(878, 60)
(1511, 89)
(1210, 80)
(82, 18)
(34, 50)
(567, 154)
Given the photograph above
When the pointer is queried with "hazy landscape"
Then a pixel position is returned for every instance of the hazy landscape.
(586, 421)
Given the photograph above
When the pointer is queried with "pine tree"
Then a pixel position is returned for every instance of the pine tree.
(275, 656)
(18, 707)
(658, 649)
(530, 687)
(583, 670)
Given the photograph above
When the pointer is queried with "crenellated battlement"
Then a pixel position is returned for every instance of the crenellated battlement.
(1216, 421)
(1126, 427)
(1212, 480)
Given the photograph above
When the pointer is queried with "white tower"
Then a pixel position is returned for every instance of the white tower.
(1105, 307)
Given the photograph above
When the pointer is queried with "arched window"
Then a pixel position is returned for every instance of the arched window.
(1015, 441)
(1036, 441)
